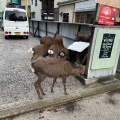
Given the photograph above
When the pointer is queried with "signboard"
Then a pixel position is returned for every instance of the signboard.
(15, 1)
(105, 38)
(105, 22)
(16, 6)
(107, 45)
(107, 15)
(112, 3)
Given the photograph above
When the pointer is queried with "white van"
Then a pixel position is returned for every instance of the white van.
(15, 21)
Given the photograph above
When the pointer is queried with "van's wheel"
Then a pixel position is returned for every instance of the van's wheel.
(27, 37)
(6, 37)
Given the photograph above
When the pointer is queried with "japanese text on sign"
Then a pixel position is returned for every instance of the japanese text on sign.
(107, 45)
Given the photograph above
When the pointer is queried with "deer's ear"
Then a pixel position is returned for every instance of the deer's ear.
(76, 64)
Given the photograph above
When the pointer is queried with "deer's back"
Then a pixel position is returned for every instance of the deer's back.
(41, 49)
(56, 48)
(53, 67)
(50, 41)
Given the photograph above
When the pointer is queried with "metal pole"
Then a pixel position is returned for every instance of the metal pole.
(38, 28)
(46, 28)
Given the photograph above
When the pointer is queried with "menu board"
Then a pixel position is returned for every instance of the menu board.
(107, 45)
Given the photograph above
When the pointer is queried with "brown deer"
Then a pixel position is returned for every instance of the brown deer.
(54, 67)
(58, 51)
(48, 40)
(39, 51)
(64, 54)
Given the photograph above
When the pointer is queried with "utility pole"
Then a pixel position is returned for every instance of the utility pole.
(27, 5)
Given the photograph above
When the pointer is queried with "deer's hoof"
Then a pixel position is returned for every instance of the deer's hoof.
(52, 91)
(44, 94)
(66, 93)
(40, 98)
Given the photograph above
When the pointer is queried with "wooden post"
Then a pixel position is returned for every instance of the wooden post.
(96, 10)
(79, 28)
(78, 55)
(58, 29)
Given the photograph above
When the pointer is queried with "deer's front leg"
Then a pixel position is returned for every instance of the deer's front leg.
(54, 81)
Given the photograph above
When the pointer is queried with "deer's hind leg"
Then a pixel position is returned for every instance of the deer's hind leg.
(64, 85)
(37, 85)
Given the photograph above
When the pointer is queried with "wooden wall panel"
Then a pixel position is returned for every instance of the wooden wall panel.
(113, 3)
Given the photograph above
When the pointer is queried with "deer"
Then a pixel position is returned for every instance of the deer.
(58, 51)
(54, 68)
(48, 40)
(64, 54)
(38, 52)
(57, 48)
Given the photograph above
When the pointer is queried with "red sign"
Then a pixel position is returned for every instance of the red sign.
(107, 15)
(106, 22)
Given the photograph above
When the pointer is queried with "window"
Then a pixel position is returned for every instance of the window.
(32, 2)
(56, 14)
(90, 17)
(65, 17)
(84, 17)
(15, 16)
(80, 17)
(33, 15)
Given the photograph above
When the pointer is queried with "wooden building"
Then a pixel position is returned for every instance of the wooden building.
(77, 11)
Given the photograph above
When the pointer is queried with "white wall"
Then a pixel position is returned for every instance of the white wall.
(25, 2)
(37, 10)
(67, 9)
(3, 4)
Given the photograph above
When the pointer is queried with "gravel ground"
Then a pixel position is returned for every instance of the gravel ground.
(16, 79)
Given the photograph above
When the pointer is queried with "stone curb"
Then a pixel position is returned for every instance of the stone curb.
(58, 101)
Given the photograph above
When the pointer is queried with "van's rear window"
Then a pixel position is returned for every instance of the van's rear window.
(15, 16)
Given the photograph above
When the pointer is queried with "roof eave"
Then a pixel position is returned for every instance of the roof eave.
(69, 2)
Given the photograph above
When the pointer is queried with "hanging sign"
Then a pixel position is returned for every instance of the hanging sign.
(107, 45)
(15, 1)
(107, 15)
(106, 22)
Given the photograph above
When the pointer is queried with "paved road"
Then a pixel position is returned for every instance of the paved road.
(101, 107)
